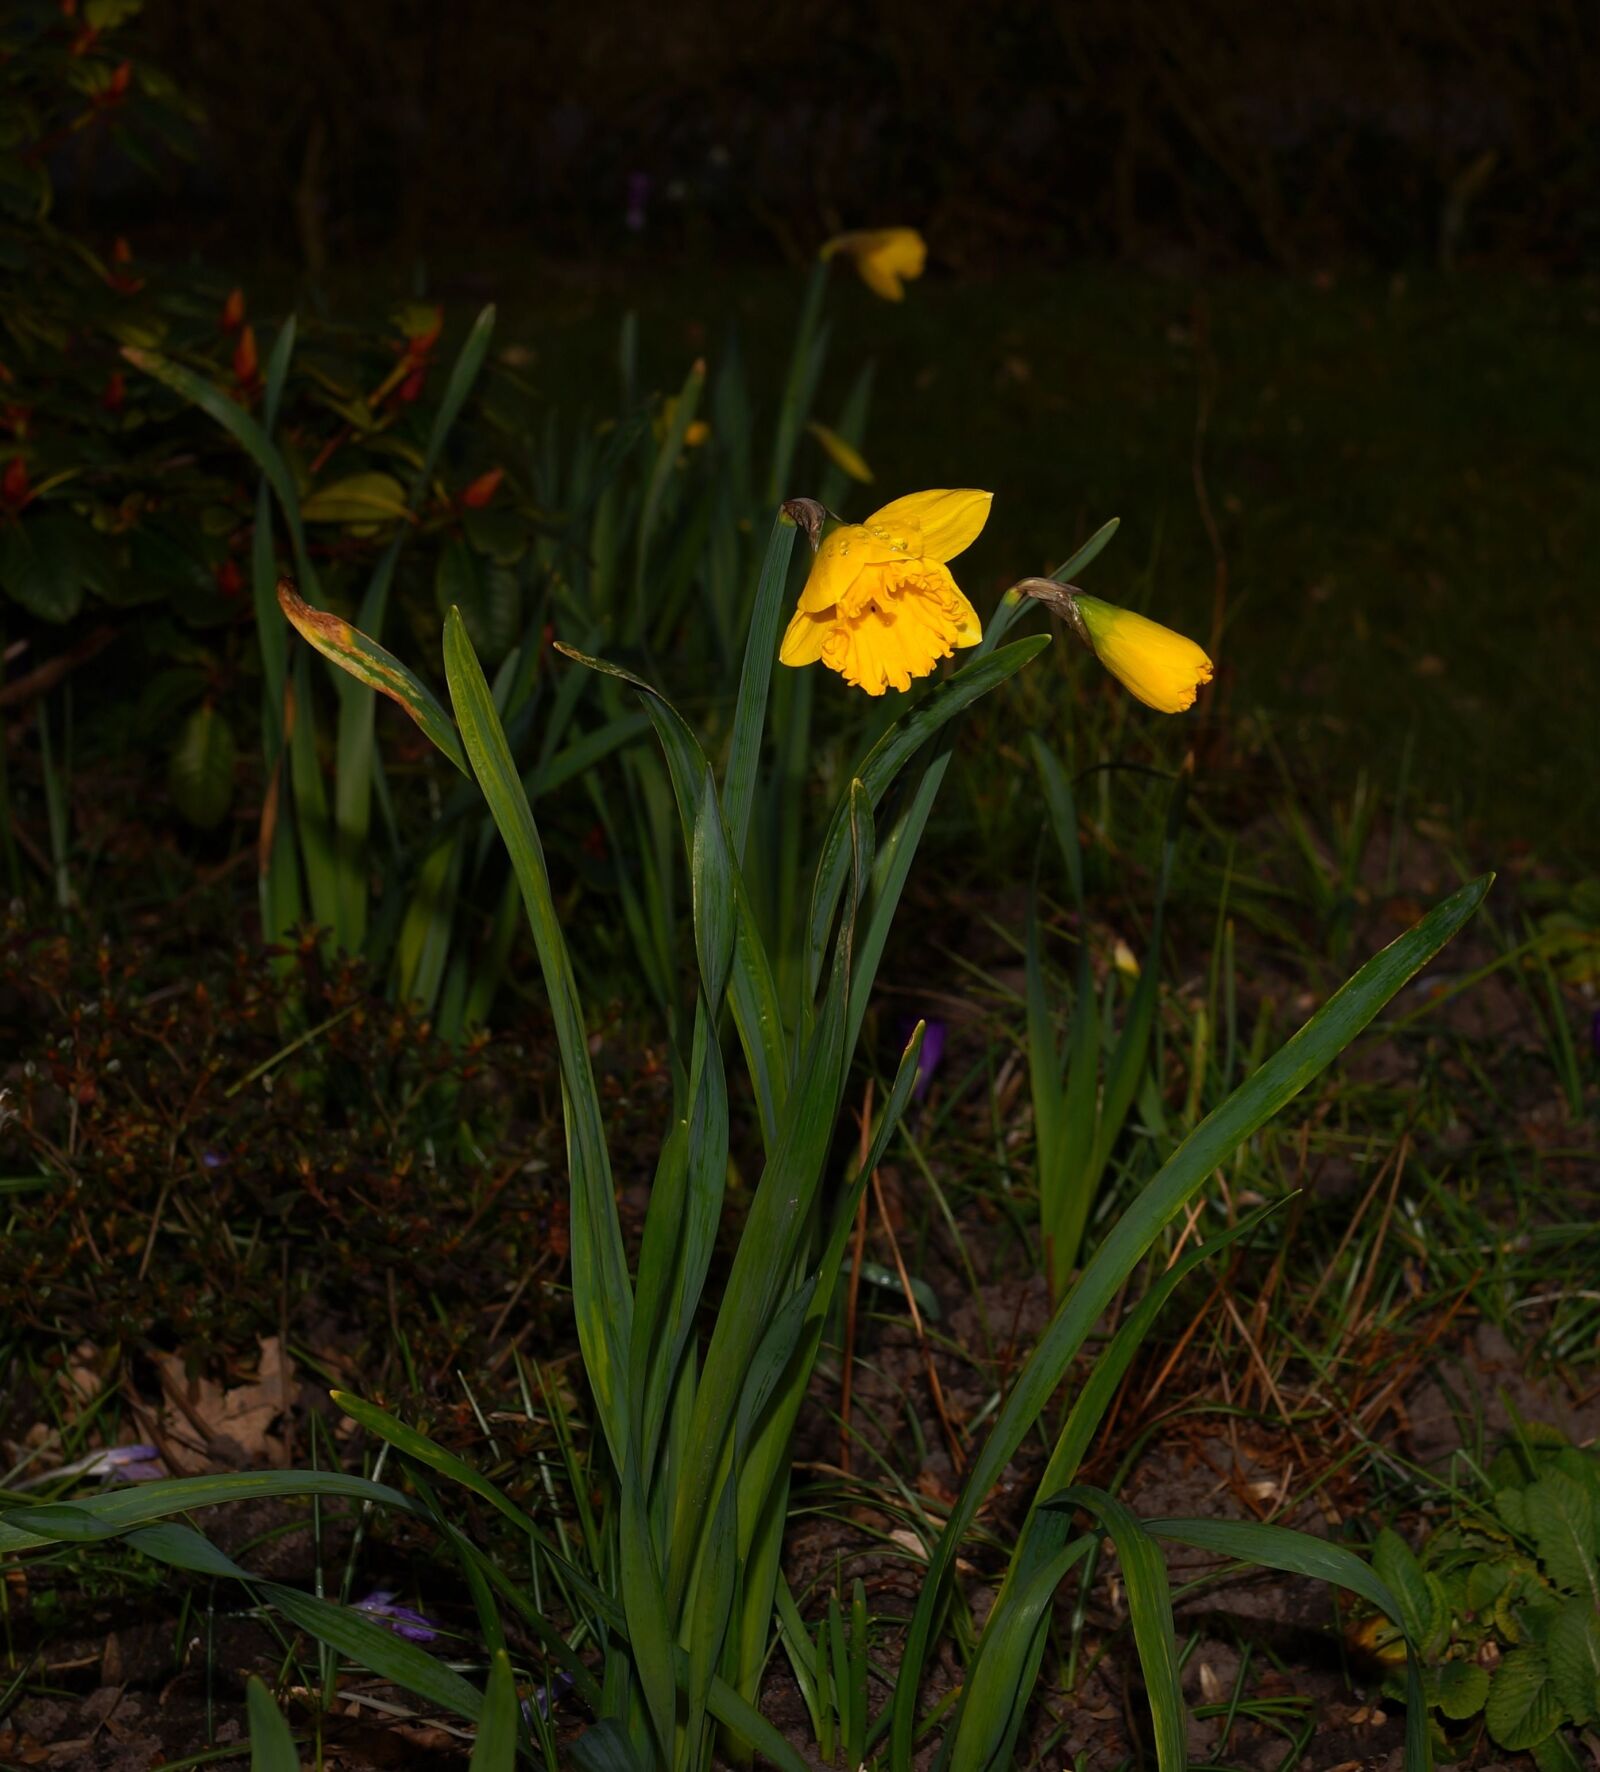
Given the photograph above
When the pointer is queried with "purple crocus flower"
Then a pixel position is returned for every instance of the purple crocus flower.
(542, 1697)
(129, 1464)
(133, 1464)
(402, 1620)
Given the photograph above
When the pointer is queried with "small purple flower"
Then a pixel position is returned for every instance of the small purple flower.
(929, 1058)
(638, 197)
(402, 1620)
(542, 1697)
(213, 1159)
(133, 1464)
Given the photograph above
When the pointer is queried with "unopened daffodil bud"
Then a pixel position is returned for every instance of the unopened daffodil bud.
(1161, 668)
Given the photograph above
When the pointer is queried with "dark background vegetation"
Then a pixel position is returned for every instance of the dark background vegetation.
(1227, 131)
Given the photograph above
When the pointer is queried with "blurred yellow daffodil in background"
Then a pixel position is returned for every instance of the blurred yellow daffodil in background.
(1162, 669)
(880, 606)
(695, 432)
(844, 455)
(887, 258)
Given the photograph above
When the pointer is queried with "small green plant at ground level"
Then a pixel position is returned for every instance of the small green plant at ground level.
(1505, 1602)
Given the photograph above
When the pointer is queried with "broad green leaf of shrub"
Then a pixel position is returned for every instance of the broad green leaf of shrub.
(1573, 1648)
(1523, 1706)
(200, 769)
(164, 567)
(361, 498)
(1486, 1582)
(500, 535)
(1555, 1754)
(1524, 1608)
(48, 562)
(1462, 1688)
(1561, 1521)
(1511, 1507)
(1582, 1466)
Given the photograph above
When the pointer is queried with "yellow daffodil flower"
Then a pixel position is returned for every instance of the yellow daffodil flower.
(887, 258)
(1161, 668)
(880, 606)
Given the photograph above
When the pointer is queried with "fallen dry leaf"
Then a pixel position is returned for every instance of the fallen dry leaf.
(206, 1427)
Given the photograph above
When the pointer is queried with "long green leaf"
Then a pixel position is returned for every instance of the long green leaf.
(878, 769)
(752, 991)
(805, 365)
(769, 1244)
(764, 1478)
(426, 1452)
(495, 1750)
(362, 1639)
(755, 681)
(602, 1292)
(1144, 1577)
(271, 1743)
(1006, 1663)
(1211, 1143)
(121, 1510)
(372, 1645)
(1298, 1553)
(237, 422)
(1089, 552)
(313, 821)
(996, 1689)
(368, 662)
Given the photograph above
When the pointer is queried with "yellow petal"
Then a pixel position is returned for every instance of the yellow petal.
(937, 525)
(844, 456)
(840, 561)
(969, 630)
(903, 250)
(883, 281)
(803, 639)
(1161, 668)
